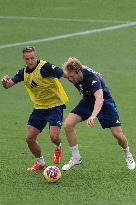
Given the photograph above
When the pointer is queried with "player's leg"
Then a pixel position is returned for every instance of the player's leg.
(34, 147)
(109, 118)
(31, 136)
(55, 118)
(122, 141)
(118, 134)
(54, 132)
(36, 124)
(80, 113)
(69, 125)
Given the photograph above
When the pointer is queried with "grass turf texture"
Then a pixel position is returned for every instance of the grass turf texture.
(103, 178)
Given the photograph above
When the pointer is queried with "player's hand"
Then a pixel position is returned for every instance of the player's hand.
(90, 121)
(5, 81)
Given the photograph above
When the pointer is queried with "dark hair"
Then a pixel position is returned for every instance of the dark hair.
(28, 49)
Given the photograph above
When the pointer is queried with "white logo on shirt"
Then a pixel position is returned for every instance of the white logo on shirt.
(94, 81)
(81, 87)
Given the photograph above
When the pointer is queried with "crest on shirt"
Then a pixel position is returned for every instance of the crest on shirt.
(53, 66)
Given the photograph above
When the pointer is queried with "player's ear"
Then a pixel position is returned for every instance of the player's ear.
(77, 71)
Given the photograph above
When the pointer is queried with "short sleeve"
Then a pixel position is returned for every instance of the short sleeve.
(19, 76)
(94, 82)
(50, 70)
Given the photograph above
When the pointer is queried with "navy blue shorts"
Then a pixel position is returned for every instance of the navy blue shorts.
(108, 116)
(40, 117)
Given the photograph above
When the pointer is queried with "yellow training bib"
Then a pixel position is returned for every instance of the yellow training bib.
(44, 92)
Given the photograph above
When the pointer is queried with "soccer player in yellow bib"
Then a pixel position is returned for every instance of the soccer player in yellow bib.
(46, 92)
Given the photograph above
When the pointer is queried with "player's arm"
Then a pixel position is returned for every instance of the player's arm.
(97, 106)
(50, 70)
(7, 82)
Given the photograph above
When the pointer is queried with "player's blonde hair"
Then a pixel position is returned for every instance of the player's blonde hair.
(28, 49)
(72, 64)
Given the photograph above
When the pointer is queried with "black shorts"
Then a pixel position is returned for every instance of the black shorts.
(40, 117)
(108, 115)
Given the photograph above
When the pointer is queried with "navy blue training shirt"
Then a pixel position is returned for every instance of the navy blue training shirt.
(90, 84)
(47, 70)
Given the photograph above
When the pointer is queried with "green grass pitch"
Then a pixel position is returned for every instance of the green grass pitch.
(103, 178)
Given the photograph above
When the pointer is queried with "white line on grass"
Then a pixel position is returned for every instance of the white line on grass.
(69, 35)
(62, 19)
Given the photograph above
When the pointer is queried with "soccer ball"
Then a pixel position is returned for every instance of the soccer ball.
(52, 174)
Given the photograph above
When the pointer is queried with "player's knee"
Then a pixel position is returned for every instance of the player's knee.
(54, 134)
(30, 139)
(55, 138)
(67, 125)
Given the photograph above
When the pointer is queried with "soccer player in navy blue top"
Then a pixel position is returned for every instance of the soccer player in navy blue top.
(96, 102)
